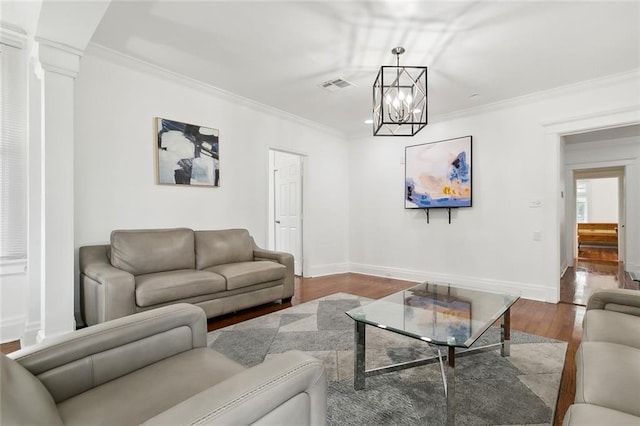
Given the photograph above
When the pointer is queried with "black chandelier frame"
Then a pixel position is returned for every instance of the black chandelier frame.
(391, 118)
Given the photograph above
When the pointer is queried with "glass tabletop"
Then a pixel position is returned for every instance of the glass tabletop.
(442, 314)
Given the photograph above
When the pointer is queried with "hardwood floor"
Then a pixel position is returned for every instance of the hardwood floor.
(9, 347)
(579, 282)
(560, 321)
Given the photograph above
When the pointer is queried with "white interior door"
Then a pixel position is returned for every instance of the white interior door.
(288, 206)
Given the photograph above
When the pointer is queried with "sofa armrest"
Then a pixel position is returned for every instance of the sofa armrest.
(619, 300)
(286, 389)
(108, 292)
(285, 259)
(78, 361)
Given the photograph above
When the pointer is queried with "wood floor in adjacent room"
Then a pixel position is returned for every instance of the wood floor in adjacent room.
(586, 276)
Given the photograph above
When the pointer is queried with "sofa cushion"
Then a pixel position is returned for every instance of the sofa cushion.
(245, 274)
(224, 246)
(593, 415)
(145, 251)
(609, 326)
(24, 400)
(608, 374)
(169, 286)
(163, 384)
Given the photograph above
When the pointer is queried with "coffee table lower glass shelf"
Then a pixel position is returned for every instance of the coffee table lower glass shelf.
(449, 317)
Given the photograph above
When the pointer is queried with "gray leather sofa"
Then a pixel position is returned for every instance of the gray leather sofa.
(220, 271)
(608, 362)
(155, 368)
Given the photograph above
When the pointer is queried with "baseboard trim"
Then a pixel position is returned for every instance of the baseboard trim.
(564, 270)
(30, 336)
(525, 290)
(328, 269)
(11, 329)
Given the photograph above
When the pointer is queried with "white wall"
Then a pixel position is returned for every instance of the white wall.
(602, 200)
(116, 102)
(491, 244)
(13, 304)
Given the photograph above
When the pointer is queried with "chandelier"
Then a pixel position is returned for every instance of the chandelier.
(399, 99)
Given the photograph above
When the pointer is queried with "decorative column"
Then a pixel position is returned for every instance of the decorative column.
(57, 66)
(32, 326)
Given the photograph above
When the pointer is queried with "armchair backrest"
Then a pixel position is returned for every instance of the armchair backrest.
(625, 301)
(75, 362)
(24, 400)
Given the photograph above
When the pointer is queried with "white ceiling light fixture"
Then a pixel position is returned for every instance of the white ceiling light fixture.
(399, 99)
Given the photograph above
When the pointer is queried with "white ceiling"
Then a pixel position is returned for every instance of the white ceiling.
(278, 53)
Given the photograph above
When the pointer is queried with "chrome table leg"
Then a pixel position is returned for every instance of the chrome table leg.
(505, 333)
(358, 359)
(451, 387)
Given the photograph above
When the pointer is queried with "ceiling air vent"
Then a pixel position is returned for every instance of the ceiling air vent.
(335, 85)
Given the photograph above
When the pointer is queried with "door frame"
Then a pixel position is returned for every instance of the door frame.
(270, 225)
(555, 130)
(615, 169)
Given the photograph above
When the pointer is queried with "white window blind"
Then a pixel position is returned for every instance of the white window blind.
(13, 153)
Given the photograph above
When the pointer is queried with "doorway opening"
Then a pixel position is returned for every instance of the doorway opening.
(599, 211)
(598, 236)
(285, 233)
(607, 139)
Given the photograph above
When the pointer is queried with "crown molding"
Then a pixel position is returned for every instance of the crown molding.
(141, 65)
(127, 61)
(633, 110)
(12, 35)
(58, 46)
(632, 75)
(58, 58)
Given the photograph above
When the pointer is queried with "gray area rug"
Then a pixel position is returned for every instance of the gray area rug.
(490, 390)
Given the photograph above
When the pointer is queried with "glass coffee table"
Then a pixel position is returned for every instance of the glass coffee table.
(449, 317)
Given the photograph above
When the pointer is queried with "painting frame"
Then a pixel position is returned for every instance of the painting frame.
(186, 154)
(439, 174)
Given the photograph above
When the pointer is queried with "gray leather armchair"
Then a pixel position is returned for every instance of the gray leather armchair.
(608, 361)
(155, 368)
